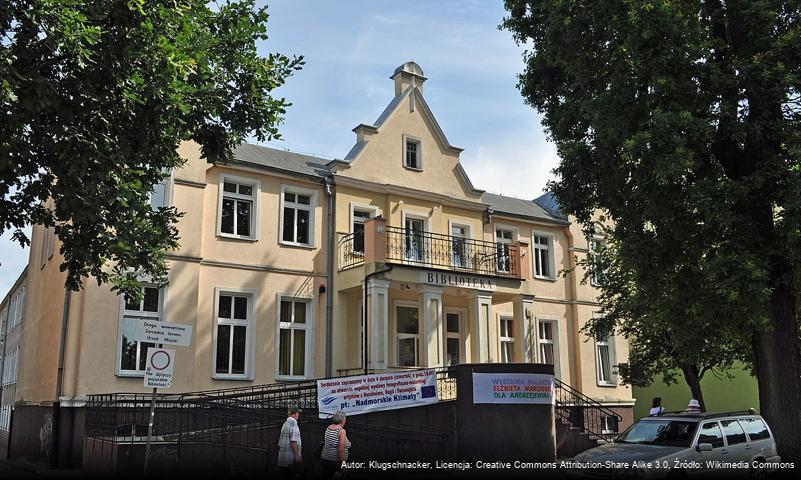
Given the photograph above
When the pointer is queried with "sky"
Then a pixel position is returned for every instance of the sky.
(351, 48)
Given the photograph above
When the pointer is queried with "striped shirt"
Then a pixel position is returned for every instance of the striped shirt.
(331, 446)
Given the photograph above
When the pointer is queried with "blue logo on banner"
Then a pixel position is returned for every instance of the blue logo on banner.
(328, 400)
(428, 391)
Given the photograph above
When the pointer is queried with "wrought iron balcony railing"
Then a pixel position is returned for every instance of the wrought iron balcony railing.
(435, 250)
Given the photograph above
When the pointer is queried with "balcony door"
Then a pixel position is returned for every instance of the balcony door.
(414, 240)
(459, 253)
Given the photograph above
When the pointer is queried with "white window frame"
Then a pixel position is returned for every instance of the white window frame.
(168, 182)
(311, 208)
(250, 327)
(551, 249)
(502, 340)
(426, 219)
(468, 261)
(609, 342)
(554, 321)
(419, 142)
(460, 336)
(374, 212)
(308, 358)
(255, 202)
(399, 336)
(515, 237)
(156, 316)
(591, 244)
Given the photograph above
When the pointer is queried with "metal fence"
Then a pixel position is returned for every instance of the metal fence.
(584, 413)
(350, 250)
(454, 253)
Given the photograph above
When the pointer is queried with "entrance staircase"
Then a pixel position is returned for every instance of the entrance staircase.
(581, 422)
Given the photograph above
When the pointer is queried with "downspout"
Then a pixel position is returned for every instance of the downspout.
(60, 377)
(576, 376)
(329, 291)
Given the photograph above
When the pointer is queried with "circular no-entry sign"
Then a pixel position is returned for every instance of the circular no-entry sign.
(160, 360)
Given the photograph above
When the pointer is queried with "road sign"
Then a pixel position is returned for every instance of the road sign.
(159, 368)
(166, 333)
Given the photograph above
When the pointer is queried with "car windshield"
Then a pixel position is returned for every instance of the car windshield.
(669, 433)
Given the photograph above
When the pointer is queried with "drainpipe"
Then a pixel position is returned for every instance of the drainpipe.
(366, 318)
(60, 377)
(329, 291)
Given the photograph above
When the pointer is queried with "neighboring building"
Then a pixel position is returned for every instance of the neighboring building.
(12, 313)
(476, 277)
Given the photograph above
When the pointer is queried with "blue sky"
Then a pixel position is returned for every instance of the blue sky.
(351, 48)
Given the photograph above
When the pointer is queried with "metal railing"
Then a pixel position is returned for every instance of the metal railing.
(453, 253)
(584, 413)
(350, 250)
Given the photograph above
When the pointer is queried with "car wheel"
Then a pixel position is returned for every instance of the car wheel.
(757, 472)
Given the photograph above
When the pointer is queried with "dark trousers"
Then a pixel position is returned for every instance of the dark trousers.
(330, 467)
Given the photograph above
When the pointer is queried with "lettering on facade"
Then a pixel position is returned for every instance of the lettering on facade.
(447, 279)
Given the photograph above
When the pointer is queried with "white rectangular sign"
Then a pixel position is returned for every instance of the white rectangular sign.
(159, 367)
(380, 391)
(166, 333)
(513, 388)
(460, 280)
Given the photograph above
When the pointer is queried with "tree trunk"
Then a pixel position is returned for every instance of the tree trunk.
(694, 382)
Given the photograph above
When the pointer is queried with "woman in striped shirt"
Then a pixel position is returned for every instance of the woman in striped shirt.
(336, 446)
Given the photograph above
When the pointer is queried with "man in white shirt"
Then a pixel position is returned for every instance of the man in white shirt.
(289, 445)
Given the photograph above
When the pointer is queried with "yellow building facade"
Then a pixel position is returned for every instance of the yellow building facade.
(275, 250)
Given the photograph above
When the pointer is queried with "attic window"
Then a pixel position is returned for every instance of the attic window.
(412, 154)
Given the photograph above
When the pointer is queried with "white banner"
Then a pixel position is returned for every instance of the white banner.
(380, 391)
(167, 333)
(513, 388)
(159, 367)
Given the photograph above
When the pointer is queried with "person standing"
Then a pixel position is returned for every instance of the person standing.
(289, 446)
(656, 407)
(336, 446)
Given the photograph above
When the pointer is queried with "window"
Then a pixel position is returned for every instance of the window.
(507, 340)
(459, 252)
(5, 417)
(414, 239)
(160, 196)
(710, 433)
(298, 217)
(546, 343)
(359, 218)
(231, 340)
(48, 244)
(503, 237)
(408, 334)
(51, 241)
(543, 256)
(596, 262)
(756, 428)
(10, 366)
(293, 338)
(132, 354)
(412, 157)
(603, 352)
(453, 339)
(733, 431)
(238, 205)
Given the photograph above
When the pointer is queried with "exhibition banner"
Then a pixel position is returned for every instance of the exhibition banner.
(379, 391)
(513, 388)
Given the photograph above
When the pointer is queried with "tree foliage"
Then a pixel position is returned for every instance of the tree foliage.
(95, 97)
(680, 119)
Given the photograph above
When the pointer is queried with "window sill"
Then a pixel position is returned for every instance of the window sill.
(241, 378)
(131, 374)
(297, 245)
(291, 378)
(547, 279)
(412, 168)
(607, 385)
(229, 236)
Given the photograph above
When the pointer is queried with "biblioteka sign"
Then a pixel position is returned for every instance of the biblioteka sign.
(459, 280)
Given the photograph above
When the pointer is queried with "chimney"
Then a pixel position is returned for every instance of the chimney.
(407, 75)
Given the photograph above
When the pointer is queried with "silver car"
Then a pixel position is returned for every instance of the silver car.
(681, 445)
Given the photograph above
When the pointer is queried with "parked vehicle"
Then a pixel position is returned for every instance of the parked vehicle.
(681, 445)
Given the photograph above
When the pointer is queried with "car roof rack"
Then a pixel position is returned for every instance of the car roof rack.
(705, 414)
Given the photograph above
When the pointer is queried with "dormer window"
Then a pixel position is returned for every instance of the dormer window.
(412, 153)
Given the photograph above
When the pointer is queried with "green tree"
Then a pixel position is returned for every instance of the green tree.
(95, 97)
(666, 320)
(680, 121)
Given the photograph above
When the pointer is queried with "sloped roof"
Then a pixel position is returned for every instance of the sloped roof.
(550, 204)
(519, 207)
(276, 159)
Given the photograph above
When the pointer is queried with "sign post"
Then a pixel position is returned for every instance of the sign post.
(160, 362)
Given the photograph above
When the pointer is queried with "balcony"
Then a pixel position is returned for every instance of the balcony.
(382, 243)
